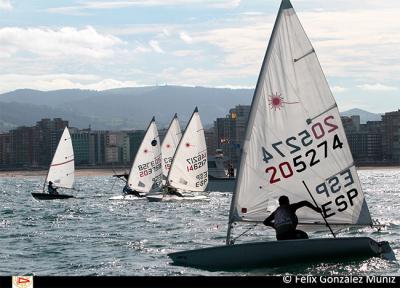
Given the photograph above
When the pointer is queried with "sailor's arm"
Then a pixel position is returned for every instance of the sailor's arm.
(305, 203)
(268, 220)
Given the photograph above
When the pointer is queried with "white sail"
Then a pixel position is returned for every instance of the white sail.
(146, 172)
(169, 144)
(295, 134)
(62, 167)
(189, 170)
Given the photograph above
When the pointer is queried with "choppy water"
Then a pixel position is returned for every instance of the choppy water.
(95, 236)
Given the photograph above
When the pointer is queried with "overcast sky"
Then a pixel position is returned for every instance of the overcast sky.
(105, 44)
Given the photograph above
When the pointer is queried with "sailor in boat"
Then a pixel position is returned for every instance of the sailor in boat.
(173, 191)
(128, 191)
(231, 171)
(51, 189)
(285, 221)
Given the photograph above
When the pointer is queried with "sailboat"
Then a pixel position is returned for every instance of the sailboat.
(169, 145)
(146, 172)
(62, 169)
(295, 145)
(188, 172)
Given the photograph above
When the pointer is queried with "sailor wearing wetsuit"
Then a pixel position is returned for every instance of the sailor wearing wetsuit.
(285, 221)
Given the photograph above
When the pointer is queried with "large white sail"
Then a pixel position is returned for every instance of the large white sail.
(169, 144)
(295, 134)
(146, 172)
(189, 170)
(62, 167)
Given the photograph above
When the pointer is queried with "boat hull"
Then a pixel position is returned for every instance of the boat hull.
(46, 196)
(170, 198)
(126, 198)
(280, 253)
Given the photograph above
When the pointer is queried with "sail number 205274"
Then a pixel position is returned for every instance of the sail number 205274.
(309, 157)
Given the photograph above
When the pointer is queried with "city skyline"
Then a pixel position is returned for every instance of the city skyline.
(108, 44)
(373, 143)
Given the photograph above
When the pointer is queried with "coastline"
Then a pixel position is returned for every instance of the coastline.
(83, 172)
(78, 172)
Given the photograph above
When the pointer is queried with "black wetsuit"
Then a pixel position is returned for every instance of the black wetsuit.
(285, 221)
(172, 191)
(128, 191)
(52, 190)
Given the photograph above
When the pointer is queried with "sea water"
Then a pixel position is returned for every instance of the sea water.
(91, 235)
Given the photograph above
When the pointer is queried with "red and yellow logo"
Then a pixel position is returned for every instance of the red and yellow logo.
(22, 281)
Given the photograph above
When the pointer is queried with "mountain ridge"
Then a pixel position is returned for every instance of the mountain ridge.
(126, 108)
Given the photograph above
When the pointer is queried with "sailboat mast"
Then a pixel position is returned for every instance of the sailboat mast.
(285, 4)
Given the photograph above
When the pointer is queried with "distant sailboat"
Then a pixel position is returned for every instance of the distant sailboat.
(295, 145)
(146, 173)
(62, 169)
(169, 145)
(188, 171)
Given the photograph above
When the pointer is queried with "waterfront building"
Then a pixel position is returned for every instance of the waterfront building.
(5, 149)
(97, 144)
(230, 132)
(81, 144)
(365, 140)
(135, 139)
(391, 137)
(47, 136)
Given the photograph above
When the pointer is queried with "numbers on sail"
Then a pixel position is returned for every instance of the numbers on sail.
(313, 154)
(303, 139)
(267, 156)
(306, 136)
(337, 143)
(310, 158)
(329, 124)
(285, 170)
(292, 145)
(148, 168)
(196, 162)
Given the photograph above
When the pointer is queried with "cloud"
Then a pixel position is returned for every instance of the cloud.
(155, 46)
(60, 81)
(55, 43)
(377, 87)
(185, 37)
(338, 89)
(91, 5)
(5, 5)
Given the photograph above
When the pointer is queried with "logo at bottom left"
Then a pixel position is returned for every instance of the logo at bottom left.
(22, 281)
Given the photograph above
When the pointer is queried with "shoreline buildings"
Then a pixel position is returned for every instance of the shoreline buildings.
(372, 143)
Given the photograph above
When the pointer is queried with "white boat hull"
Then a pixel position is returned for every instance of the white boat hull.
(281, 253)
(126, 198)
(165, 198)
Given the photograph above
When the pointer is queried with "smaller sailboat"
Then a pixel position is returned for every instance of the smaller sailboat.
(146, 172)
(62, 169)
(188, 171)
(169, 145)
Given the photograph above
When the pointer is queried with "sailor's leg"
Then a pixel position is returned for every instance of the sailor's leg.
(301, 234)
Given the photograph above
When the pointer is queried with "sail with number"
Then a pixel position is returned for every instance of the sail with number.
(62, 167)
(169, 144)
(146, 172)
(295, 139)
(189, 170)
